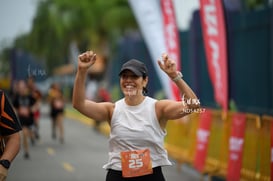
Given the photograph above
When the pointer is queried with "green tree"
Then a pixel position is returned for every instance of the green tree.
(92, 24)
(252, 4)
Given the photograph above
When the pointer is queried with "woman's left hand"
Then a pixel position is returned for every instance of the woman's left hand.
(168, 66)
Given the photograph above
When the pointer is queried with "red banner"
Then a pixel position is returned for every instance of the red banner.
(214, 34)
(203, 133)
(271, 150)
(171, 39)
(236, 142)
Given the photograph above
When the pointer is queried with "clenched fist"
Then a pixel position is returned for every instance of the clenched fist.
(86, 60)
(168, 66)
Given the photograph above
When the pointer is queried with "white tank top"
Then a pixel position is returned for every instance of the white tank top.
(136, 128)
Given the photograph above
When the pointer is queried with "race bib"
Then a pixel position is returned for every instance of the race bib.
(136, 163)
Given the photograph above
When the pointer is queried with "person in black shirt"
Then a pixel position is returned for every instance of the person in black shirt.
(9, 135)
(25, 105)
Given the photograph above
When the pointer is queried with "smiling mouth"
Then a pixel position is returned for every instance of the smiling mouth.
(130, 87)
(130, 90)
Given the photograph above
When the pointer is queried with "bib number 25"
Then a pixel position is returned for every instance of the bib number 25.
(136, 163)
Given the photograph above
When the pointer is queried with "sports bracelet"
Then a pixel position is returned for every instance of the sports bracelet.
(178, 77)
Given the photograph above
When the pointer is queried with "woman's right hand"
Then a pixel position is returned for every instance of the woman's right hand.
(86, 60)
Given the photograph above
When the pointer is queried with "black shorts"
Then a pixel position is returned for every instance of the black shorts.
(26, 121)
(55, 112)
(114, 175)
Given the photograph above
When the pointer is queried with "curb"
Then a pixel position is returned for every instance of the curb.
(75, 115)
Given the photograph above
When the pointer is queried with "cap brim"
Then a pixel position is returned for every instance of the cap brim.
(132, 69)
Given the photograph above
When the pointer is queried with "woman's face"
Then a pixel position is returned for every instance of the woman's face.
(131, 84)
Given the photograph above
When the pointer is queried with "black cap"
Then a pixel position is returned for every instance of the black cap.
(137, 67)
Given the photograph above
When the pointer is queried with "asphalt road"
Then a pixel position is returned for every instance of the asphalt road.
(80, 158)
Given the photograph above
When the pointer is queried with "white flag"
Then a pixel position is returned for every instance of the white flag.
(149, 16)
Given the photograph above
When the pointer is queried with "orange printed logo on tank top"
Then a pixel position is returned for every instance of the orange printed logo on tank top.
(136, 163)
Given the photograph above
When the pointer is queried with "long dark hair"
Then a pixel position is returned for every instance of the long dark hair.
(144, 90)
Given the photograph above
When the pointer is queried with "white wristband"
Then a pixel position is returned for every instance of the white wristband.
(178, 77)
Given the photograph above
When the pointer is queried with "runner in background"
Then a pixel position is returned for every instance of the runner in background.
(36, 93)
(57, 104)
(25, 105)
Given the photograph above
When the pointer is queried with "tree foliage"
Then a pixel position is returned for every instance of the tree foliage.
(89, 23)
(252, 4)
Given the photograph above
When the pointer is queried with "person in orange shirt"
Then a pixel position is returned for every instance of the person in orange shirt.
(57, 104)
